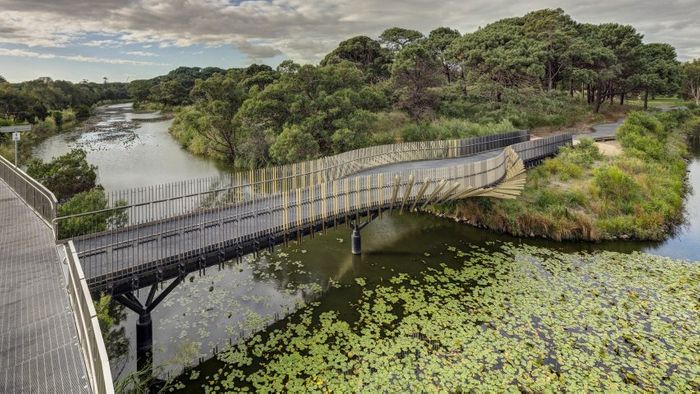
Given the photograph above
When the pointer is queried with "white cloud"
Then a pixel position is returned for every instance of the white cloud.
(75, 58)
(306, 29)
(141, 53)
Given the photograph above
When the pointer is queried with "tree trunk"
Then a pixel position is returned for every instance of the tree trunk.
(622, 98)
(571, 88)
(599, 98)
(646, 99)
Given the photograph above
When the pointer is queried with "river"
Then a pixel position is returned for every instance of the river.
(129, 149)
(226, 304)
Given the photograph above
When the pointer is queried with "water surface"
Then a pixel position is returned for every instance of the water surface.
(130, 149)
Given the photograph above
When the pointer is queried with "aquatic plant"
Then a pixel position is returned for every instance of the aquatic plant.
(519, 317)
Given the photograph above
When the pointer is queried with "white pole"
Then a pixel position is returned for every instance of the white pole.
(16, 154)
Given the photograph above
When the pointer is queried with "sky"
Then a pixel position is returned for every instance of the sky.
(123, 40)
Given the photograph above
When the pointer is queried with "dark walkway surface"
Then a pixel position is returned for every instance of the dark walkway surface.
(39, 350)
(602, 131)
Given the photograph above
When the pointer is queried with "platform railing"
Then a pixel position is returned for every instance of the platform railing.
(89, 333)
(34, 194)
(160, 202)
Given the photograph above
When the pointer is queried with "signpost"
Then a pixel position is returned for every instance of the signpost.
(15, 130)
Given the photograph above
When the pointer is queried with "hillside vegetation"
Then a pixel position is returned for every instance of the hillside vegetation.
(540, 70)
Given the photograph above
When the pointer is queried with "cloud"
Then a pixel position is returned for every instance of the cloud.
(141, 53)
(103, 43)
(257, 52)
(75, 58)
(305, 29)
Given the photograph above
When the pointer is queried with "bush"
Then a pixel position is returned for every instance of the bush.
(613, 183)
(65, 175)
(294, 145)
(88, 201)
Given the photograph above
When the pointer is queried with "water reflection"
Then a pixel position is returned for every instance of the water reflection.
(130, 149)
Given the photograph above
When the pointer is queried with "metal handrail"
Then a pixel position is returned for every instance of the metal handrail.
(325, 169)
(91, 342)
(40, 199)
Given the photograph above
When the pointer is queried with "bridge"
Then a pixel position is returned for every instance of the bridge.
(164, 231)
(148, 235)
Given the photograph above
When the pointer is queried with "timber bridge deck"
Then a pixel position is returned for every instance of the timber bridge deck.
(165, 231)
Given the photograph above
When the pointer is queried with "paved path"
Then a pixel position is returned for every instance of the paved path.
(602, 131)
(39, 350)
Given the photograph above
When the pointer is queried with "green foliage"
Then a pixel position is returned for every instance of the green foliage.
(88, 201)
(365, 53)
(613, 183)
(294, 145)
(445, 128)
(65, 175)
(396, 38)
(691, 80)
(581, 194)
(414, 72)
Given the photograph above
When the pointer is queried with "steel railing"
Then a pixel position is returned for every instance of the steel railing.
(89, 333)
(118, 252)
(34, 194)
(158, 202)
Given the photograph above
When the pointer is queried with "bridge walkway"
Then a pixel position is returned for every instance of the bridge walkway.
(39, 348)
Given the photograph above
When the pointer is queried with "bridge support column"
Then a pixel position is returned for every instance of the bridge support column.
(356, 237)
(356, 240)
(144, 342)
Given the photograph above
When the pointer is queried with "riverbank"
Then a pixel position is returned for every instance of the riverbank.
(583, 194)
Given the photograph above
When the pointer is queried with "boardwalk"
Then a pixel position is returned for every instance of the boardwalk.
(238, 220)
(39, 350)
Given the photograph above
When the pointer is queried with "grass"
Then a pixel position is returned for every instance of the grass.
(583, 195)
(661, 102)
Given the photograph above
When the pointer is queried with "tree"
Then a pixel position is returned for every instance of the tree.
(2, 79)
(89, 201)
(659, 71)
(499, 57)
(414, 72)
(57, 118)
(396, 38)
(219, 98)
(555, 32)
(626, 45)
(365, 53)
(65, 175)
(140, 89)
(439, 42)
(294, 145)
(691, 80)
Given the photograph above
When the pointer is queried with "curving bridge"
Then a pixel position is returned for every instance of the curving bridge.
(166, 231)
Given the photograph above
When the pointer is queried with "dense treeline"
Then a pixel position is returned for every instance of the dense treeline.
(542, 69)
(33, 101)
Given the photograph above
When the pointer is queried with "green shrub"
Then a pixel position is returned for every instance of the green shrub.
(613, 183)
